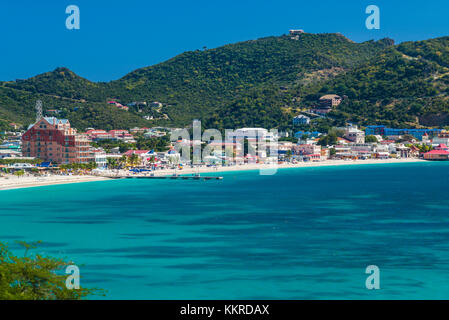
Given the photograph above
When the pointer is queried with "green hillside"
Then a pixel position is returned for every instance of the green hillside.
(194, 84)
(406, 85)
(263, 82)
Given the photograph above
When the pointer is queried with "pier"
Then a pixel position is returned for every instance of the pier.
(174, 177)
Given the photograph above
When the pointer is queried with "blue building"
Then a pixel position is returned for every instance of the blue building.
(313, 134)
(384, 131)
(301, 119)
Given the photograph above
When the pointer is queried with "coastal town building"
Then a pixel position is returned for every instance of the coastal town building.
(310, 134)
(100, 159)
(251, 134)
(141, 153)
(395, 133)
(343, 141)
(308, 152)
(300, 120)
(122, 135)
(154, 133)
(54, 140)
(137, 130)
(442, 138)
(440, 153)
(4, 154)
(352, 133)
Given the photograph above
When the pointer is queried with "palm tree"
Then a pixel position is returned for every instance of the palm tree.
(112, 163)
(289, 155)
(124, 160)
(19, 173)
(134, 160)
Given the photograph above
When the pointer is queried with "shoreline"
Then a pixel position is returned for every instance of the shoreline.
(254, 167)
(29, 182)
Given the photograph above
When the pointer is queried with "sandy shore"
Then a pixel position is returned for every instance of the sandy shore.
(13, 182)
(248, 167)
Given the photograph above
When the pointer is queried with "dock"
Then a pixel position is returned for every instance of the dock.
(174, 177)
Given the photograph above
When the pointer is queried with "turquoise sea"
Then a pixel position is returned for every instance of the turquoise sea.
(305, 233)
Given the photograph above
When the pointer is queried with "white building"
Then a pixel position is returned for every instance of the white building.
(295, 32)
(252, 134)
(443, 138)
(100, 158)
(352, 133)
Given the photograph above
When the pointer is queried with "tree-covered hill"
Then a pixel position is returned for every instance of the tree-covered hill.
(194, 84)
(61, 83)
(262, 82)
(18, 106)
(405, 85)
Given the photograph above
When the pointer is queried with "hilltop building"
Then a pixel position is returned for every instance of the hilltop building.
(326, 104)
(301, 119)
(54, 140)
(295, 32)
(330, 100)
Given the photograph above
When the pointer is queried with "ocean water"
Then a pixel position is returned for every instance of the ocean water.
(305, 233)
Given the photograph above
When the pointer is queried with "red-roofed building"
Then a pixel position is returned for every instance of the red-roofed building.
(143, 155)
(437, 155)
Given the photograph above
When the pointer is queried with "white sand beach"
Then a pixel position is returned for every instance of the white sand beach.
(14, 182)
(247, 167)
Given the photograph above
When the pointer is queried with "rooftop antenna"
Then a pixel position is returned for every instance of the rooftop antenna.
(38, 110)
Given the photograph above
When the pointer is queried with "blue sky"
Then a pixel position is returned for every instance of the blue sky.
(117, 37)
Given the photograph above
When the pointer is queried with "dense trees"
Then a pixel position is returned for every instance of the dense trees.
(262, 82)
(371, 139)
(403, 86)
(35, 277)
(192, 85)
(157, 144)
(328, 140)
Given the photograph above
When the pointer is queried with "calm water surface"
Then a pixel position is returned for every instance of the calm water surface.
(306, 233)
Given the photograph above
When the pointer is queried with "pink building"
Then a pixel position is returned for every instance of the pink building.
(51, 139)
